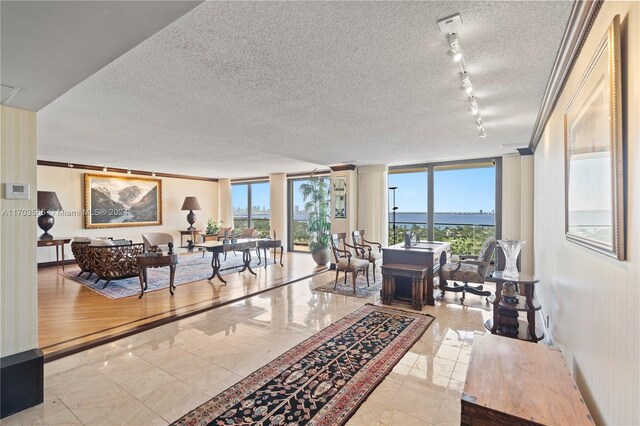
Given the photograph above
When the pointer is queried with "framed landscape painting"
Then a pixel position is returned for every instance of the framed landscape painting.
(594, 154)
(117, 201)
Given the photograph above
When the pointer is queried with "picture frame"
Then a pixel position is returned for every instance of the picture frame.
(113, 201)
(340, 197)
(595, 199)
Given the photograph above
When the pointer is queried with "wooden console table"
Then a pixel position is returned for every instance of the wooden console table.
(218, 247)
(55, 242)
(511, 382)
(423, 255)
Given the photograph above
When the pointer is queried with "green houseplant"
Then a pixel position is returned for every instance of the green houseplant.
(316, 196)
(212, 226)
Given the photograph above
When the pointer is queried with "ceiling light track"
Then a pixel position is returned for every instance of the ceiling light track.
(449, 26)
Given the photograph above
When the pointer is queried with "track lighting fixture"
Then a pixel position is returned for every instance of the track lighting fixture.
(473, 105)
(104, 168)
(69, 165)
(454, 48)
(449, 26)
(466, 82)
(153, 174)
(128, 172)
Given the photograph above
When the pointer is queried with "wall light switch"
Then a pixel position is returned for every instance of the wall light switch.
(17, 191)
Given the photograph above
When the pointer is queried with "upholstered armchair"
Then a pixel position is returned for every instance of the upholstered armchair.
(346, 261)
(114, 262)
(367, 252)
(468, 268)
(249, 233)
(159, 239)
(80, 248)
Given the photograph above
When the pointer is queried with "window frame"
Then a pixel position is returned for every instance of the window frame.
(249, 199)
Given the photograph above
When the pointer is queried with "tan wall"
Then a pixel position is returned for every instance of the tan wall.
(517, 204)
(18, 286)
(593, 300)
(68, 183)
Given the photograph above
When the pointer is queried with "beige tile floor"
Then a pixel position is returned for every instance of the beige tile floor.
(157, 376)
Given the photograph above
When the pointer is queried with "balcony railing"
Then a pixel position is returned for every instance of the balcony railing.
(464, 237)
(262, 225)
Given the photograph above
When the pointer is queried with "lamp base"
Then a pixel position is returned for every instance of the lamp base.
(191, 218)
(45, 222)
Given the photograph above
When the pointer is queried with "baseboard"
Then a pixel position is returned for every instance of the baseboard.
(54, 263)
(22, 378)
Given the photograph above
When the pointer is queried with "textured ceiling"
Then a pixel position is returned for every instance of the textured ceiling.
(239, 89)
(50, 46)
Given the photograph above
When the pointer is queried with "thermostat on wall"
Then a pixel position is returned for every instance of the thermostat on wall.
(17, 191)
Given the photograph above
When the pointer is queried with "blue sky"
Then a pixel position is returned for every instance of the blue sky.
(259, 195)
(462, 190)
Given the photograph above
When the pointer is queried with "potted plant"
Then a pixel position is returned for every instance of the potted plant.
(213, 227)
(316, 196)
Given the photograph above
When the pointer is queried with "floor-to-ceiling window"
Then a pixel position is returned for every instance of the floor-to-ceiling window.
(458, 202)
(251, 206)
(297, 218)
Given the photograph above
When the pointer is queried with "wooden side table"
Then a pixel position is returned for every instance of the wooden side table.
(269, 244)
(417, 275)
(145, 261)
(505, 315)
(193, 234)
(55, 242)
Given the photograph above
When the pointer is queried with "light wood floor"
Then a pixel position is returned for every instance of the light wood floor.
(71, 316)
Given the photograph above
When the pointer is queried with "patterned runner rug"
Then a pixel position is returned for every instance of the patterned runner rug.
(323, 380)
(192, 267)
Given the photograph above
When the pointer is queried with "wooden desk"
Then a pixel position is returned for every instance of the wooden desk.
(217, 247)
(423, 255)
(512, 382)
(55, 242)
(191, 234)
(145, 261)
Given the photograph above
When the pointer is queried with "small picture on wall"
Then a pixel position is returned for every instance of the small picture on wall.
(117, 201)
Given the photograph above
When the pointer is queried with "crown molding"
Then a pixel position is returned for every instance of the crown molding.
(119, 170)
(343, 167)
(580, 22)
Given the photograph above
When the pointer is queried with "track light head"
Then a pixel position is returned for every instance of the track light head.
(466, 82)
(454, 48)
(482, 133)
(479, 123)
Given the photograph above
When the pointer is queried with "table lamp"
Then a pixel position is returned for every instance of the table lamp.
(191, 204)
(47, 200)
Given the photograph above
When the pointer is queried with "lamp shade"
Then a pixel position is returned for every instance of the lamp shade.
(48, 200)
(190, 203)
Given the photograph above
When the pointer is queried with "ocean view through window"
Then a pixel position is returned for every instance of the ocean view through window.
(462, 208)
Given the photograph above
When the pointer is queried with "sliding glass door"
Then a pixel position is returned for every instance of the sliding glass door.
(251, 207)
(297, 218)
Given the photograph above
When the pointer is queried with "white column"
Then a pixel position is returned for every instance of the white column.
(373, 214)
(278, 206)
(226, 205)
(526, 211)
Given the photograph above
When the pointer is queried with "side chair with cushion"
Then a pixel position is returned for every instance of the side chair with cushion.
(346, 261)
(367, 252)
(159, 239)
(469, 268)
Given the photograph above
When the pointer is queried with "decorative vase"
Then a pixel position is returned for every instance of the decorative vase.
(511, 249)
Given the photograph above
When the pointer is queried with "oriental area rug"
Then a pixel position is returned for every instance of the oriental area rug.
(362, 290)
(191, 267)
(323, 380)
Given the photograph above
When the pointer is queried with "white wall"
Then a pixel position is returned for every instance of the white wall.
(18, 285)
(593, 300)
(68, 183)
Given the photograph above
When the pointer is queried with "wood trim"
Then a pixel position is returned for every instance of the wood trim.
(343, 167)
(42, 265)
(308, 174)
(125, 171)
(251, 180)
(580, 22)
